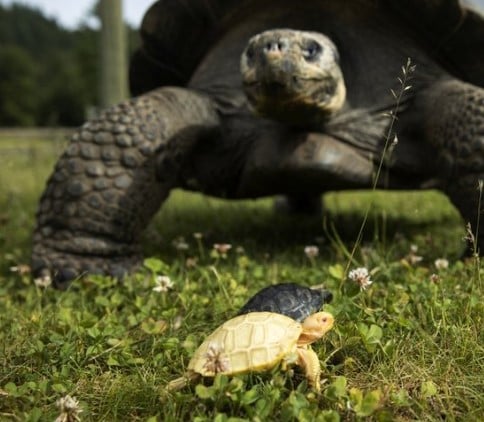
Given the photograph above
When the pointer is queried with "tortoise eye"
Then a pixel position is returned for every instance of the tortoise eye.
(312, 50)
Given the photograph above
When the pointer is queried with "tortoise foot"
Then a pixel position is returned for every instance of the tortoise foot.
(62, 268)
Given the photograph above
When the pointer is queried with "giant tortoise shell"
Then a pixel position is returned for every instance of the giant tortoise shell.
(256, 342)
(231, 105)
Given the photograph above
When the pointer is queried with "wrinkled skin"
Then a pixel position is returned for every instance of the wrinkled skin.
(293, 77)
(227, 135)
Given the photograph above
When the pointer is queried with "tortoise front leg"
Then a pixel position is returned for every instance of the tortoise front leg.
(309, 361)
(454, 122)
(105, 187)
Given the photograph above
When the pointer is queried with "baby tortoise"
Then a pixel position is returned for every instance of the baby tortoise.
(290, 299)
(257, 342)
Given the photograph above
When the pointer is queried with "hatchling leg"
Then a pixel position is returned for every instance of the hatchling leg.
(309, 361)
(454, 122)
(105, 187)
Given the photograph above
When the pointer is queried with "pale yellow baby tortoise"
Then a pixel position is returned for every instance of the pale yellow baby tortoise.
(256, 342)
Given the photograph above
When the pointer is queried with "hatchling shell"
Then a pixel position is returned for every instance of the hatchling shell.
(290, 299)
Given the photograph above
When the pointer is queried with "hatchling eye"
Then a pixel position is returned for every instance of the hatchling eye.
(312, 50)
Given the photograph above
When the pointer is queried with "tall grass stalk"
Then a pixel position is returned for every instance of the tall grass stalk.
(388, 148)
(476, 234)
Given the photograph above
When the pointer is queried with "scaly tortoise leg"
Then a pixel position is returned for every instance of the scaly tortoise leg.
(106, 186)
(454, 122)
(309, 361)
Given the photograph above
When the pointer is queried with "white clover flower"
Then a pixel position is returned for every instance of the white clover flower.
(441, 264)
(177, 322)
(311, 251)
(361, 276)
(435, 278)
(21, 269)
(43, 281)
(216, 360)
(222, 248)
(412, 256)
(69, 409)
(414, 259)
(240, 250)
(180, 245)
(163, 284)
(198, 235)
(191, 262)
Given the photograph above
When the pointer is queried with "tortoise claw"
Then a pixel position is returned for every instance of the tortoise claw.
(63, 268)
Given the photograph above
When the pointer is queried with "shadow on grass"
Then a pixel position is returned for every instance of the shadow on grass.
(425, 218)
(394, 220)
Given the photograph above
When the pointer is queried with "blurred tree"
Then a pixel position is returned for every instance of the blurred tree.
(29, 29)
(65, 96)
(18, 94)
(48, 75)
(87, 60)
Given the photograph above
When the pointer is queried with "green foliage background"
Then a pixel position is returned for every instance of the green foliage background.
(48, 74)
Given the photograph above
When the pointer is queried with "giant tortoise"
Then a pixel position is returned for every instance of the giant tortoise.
(250, 98)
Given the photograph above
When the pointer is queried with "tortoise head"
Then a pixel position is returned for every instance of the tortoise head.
(293, 76)
(315, 326)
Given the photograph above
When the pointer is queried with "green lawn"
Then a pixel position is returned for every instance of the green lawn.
(410, 347)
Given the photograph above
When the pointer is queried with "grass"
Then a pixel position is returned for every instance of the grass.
(410, 347)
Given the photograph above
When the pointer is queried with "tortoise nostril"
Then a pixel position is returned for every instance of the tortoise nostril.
(274, 46)
(269, 46)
